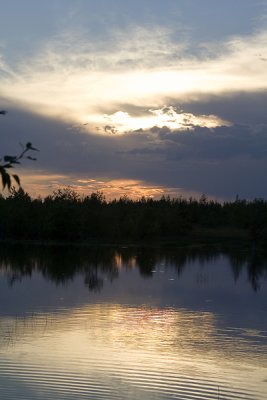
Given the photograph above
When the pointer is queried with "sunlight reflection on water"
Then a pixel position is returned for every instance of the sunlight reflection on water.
(115, 351)
(156, 328)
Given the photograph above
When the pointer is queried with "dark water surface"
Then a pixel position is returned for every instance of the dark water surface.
(132, 323)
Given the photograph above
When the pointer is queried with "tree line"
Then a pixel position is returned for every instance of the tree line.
(66, 216)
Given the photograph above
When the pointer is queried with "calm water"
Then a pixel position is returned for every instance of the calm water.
(132, 323)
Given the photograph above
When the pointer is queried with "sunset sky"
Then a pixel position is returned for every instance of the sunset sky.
(144, 97)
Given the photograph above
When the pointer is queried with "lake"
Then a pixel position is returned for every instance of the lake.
(132, 323)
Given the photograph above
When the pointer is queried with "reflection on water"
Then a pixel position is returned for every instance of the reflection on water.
(62, 264)
(155, 324)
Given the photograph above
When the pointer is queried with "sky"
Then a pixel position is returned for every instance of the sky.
(149, 97)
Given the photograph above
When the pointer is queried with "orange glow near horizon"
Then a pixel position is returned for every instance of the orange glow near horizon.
(44, 184)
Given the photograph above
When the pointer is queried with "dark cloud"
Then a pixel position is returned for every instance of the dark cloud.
(221, 143)
(238, 107)
(223, 162)
(110, 129)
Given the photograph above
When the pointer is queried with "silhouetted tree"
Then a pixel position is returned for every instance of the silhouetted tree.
(8, 162)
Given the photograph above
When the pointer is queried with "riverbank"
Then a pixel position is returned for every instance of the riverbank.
(197, 237)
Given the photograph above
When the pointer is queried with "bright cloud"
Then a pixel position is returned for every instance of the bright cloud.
(167, 116)
(84, 82)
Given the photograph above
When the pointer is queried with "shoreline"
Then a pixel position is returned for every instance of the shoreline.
(198, 237)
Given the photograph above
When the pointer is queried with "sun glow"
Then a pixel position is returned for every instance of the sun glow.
(88, 84)
(43, 185)
(167, 116)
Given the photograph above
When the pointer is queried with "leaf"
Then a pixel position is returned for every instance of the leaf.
(8, 165)
(6, 181)
(16, 178)
(29, 147)
(31, 158)
(11, 159)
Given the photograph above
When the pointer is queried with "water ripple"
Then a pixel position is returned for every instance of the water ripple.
(120, 352)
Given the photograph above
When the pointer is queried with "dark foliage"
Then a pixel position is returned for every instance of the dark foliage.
(9, 162)
(65, 216)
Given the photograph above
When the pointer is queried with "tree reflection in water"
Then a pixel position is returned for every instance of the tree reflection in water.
(61, 264)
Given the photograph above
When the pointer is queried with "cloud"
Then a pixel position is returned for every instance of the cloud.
(238, 107)
(41, 184)
(188, 122)
(81, 80)
(219, 162)
(167, 116)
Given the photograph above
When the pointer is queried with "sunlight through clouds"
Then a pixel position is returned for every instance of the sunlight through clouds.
(83, 82)
(41, 184)
(170, 117)
(143, 96)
